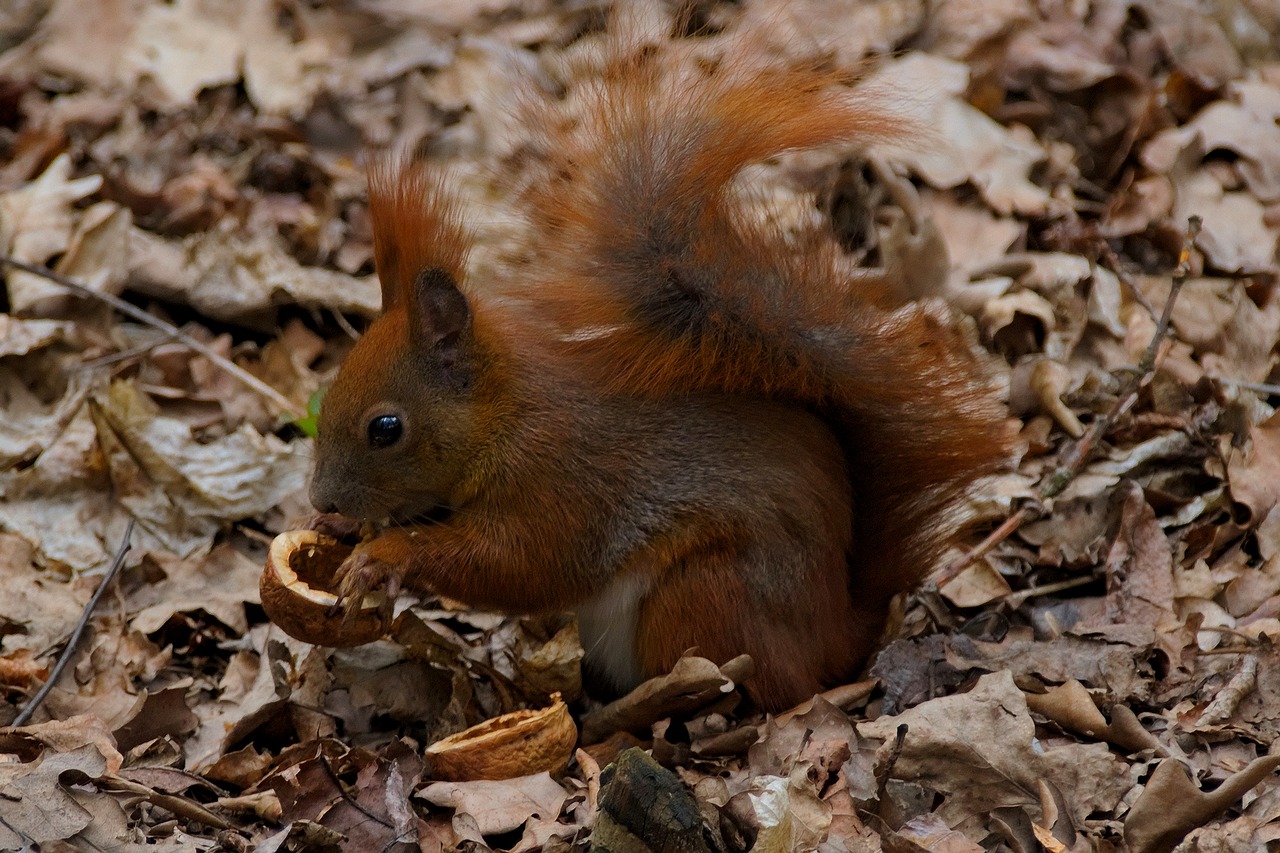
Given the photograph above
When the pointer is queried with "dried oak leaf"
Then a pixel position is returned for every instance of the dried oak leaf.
(980, 750)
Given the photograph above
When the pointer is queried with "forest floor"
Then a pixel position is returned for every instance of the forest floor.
(1104, 676)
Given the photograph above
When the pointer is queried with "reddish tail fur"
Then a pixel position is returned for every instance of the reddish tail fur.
(675, 286)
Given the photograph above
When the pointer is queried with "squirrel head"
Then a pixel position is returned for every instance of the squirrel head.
(397, 424)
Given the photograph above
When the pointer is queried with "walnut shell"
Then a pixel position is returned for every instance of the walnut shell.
(296, 589)
(517, 744)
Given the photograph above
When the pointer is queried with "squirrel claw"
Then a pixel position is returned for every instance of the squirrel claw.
(340, 527)
(363, 573)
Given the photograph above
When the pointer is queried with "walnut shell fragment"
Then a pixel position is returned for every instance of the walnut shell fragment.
(517, 744)
(296, 589)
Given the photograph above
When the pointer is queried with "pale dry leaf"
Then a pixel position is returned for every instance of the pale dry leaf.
(1139, 567)
(693, 683)
(1070, 705)
(1194, 40)
(791, 816)
(1245, 125)
(1100, 476)
(1245, 834)
(1009, 313)
(36, 223)
(970, 146)
(253, 689)
(183, 47)
(109, 828)
(406, 51)
(1120, 670)
(957, 28)
(281, 76)
(1236, 235)
(500, 806)
(104, 681)
(1268, 534)
(19, 337)
(929, 832)
(1254, 712)
(31, 425)
(1065, 53)
(1135, 208)
(975, 236)
(183, 490)
(845, 29)
(230, 276)
(822, 738)
(979, 584)
(486, 78)
(35, 803)
(549, 664)
(86, 47)
(97, 254)
(59, 505)
(63, 736)
(220, 583)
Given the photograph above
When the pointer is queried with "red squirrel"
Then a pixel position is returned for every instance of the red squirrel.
(674, 419)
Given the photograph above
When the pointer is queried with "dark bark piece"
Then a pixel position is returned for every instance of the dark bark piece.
(644, 806)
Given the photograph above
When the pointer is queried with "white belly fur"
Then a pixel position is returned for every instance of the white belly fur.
(607, 628)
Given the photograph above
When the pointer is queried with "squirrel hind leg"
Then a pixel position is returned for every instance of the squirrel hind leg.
(804, 640)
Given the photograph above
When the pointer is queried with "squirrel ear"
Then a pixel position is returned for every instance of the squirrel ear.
(440, 309)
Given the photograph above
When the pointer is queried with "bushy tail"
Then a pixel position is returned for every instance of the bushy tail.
(669, 282)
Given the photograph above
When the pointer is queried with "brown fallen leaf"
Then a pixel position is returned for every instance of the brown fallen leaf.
(1171, 805)
(1254, 475)
(1070, 706)
(979, 749)
(693, 683)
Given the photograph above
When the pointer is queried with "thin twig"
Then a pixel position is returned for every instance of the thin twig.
(1113, 263)
(74, 640)
(279, 400)
(1079, 454)
(1260, 387)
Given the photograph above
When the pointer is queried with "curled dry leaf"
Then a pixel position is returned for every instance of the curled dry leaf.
(1071, 707)
(693, 683)
(1171, 805)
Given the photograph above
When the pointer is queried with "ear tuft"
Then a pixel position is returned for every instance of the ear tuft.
(417, 226)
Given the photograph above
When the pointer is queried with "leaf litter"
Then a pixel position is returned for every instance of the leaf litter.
(1104, 677)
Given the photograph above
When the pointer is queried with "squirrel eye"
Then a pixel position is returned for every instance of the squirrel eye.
(385, 430)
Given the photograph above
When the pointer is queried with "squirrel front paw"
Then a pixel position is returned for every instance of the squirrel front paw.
(340, 527)
(365, 572)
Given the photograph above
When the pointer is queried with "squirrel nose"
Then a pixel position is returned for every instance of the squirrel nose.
(320, 500)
